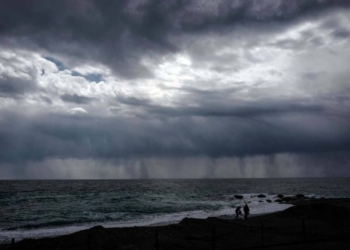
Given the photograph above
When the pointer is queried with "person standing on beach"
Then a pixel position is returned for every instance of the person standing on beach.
(246, 211)
(238, 212)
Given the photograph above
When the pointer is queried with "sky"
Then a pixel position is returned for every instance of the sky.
(174, 89)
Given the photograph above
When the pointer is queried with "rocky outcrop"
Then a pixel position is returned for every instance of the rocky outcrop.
(299, 198)
(287, 199)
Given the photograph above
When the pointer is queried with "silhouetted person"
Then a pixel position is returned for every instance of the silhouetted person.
(246, 211)
(238, 212)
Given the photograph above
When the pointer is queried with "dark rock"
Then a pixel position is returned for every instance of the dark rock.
(99, 227)
(269, 201)
(280, 196)
(238, 196)
(261, 201)
(286, 199)
(278, 200)
(300, 196)
(261, 196)
(322, 198)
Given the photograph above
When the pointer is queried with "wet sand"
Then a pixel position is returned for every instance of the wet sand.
(326, 226)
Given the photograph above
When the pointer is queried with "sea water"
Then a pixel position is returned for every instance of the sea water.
(42, 208)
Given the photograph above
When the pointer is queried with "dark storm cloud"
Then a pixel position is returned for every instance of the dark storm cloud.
(119, 33)
(14, 87)
(341, 33)
(46, 99)
(78, 99)
(218, 103)
(256, 11)
(134, 101)
(244, 111)
(212, 115)
(206, 92)
(60, 136)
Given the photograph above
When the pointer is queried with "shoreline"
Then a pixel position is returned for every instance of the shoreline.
(325, 218)
(140, 225)
(7, 245)
(110, 225)
(173, 219)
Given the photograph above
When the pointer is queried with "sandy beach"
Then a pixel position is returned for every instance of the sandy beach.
(309, 224)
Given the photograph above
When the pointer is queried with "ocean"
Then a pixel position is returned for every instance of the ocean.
(44, 208)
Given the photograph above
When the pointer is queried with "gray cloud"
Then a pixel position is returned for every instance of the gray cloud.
(341, 33)
(243, 111)
(14, 87)
(59, 136)
(158, 82)
(118, 33)
(78, 99)
(219, 103)
(133, 101)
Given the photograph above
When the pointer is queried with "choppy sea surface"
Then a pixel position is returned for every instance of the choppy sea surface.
(41, 208)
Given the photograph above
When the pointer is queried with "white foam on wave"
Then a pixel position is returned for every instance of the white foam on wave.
(156, 220)
(259, 205)
(228, 208)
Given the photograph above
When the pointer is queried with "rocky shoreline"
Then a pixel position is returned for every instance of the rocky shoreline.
(280, 198)
(324, 219)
